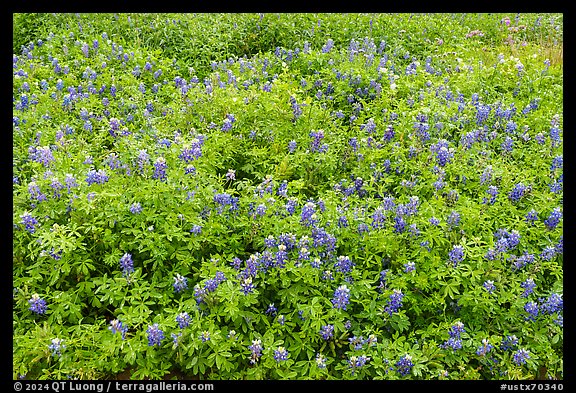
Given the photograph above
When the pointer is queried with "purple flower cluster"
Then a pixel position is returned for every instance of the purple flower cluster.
(116, 326)
(224, 200)
(443, 154)
(455, 340)
(316, 145)
(37, 304)
(56, 347)
(484, 348)
(528, 286)
(518, 192)
(126, 264)
(192, 151)
(456, 255)
(356, 362)
(508, 343)
(256, 351)
(136, 208)
(343, 264)
(180, 283)
(404, 365)
(155, 335)
(183, 320)
(553, 219)
(341, 297)
(280, 354)
(97, 177)
(29, 222)
(160, 169)
(521, 356)
(228, 122)
(394, 302)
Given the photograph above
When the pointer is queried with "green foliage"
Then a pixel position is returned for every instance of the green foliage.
(197, 148)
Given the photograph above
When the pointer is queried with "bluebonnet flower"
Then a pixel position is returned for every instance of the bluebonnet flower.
(454, 341)
(44, 155)
(556, 187)
(548, 253)
(553, 219)
(341, 297)
(176, 338)
(56, 186)
(246, 285)
(160, 168)
(271, 309)
(308, 215)
(394, 302)
(521, 356)
(560, 245)
(507, 144)
(378, 217)
(517, 192)
(489, 286)
(532, 309)
(399, 224)
(205, 336)
(116, 326)
(557, 162)
(443, 153)
(155, 335)
(180, 283)
(388, 133)
(37, 304)
(484, 348)
(228, 121)
(211, 285)
(404, 365)
(328, 46)
(357, 361)
(126, 264)
(56, 347)
(531, 217)
(98, 177)
(136, 208)
(196, 229)
(554, 303)
(29, 222)
(344, 264)
(280, 354)
(409, 267)
(261, 210)
(327, 332)
(231, 174)
(493, 192)
(456, 255)
(357, 342)
(453, 219)
(508, 343)
(523, 260)
(315, 144)
(513, 239)
(193, 151)
(256, 351)
(528, 286)
(320, 360)
(434, 221)
(183, 320)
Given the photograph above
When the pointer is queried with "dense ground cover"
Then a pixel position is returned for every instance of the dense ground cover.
(288, 196)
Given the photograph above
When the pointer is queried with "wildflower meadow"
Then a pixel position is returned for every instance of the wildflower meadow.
(287, 196)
